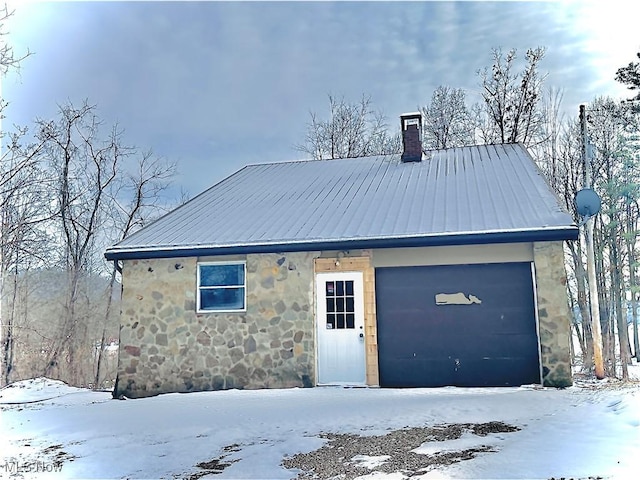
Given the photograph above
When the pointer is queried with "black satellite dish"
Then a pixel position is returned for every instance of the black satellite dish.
(587, 202)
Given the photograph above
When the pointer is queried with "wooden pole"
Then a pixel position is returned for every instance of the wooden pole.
(591, 264)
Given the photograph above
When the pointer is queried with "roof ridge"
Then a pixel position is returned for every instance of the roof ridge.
(313, 160)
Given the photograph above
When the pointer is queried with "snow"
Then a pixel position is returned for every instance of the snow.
(588, 430)
(370, 461)
(466, 441)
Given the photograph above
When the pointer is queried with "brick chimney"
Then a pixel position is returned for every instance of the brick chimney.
(411, 127)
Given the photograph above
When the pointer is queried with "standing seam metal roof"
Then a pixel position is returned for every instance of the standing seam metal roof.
(488, 189)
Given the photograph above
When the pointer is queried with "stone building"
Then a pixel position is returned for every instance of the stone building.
(421, 269)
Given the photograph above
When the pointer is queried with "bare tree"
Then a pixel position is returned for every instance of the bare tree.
(17, 172)
(352, 130)
(511, 98)
(143, 188)
(630, 76)
(8, 58)
(59, 192)
(23, 214)
(633, 228)
(87, 166)
(612, 126)
(446, 120)
(558, 155)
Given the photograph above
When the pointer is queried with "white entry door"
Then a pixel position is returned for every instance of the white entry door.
(340, 323)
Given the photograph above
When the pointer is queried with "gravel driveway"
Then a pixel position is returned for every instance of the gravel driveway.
(348, 456)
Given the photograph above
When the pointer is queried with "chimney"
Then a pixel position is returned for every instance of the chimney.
(411, 127)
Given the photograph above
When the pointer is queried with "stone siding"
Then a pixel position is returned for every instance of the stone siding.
(166, 346)
(553, 314)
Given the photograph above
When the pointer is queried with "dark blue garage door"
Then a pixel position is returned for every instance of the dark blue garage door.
(461, 325)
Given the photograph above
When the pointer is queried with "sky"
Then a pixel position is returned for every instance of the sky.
(590, 430)
(215, 86)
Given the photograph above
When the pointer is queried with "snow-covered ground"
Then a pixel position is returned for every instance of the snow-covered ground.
(50, 430)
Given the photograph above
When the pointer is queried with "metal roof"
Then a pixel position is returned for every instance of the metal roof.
(478, 194)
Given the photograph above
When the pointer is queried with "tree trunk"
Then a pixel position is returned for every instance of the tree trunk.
(633, 286)
(623, 340)
(606, 323)
(62, 348)
(634, 313)
(576, 326)
(107, 314)
(8, 322)
(581, 278)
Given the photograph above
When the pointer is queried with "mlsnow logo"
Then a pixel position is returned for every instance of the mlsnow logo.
(13, 468)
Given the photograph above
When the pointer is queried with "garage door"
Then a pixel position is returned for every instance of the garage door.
(461, 325)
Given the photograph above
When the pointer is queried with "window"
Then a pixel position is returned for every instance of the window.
(340, 304)
(221, 287)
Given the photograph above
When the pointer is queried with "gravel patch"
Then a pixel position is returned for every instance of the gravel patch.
(336, 458)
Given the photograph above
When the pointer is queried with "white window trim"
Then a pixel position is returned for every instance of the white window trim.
(230, 262)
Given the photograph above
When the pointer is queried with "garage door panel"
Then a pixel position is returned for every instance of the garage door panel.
(434, 371)
(489, 344)
(430, 319)
(450, 334)
(413, 342)
(497, 372)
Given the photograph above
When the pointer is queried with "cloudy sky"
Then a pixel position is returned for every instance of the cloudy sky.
(217, 85)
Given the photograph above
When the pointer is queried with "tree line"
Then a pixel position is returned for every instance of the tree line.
(67, 190)
(513, 109)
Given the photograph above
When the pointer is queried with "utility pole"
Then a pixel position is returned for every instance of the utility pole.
(591, 263)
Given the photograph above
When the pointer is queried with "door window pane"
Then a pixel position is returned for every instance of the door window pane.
(349, 304)
(348, 287)
(351, 320)
(331, 321)
(331, 305)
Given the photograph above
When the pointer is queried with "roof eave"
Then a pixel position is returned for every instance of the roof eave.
(478, 238)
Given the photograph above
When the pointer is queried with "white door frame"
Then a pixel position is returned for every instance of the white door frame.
(340, 342)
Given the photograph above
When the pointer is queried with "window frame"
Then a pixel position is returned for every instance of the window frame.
(337, 304)
(199, 288)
